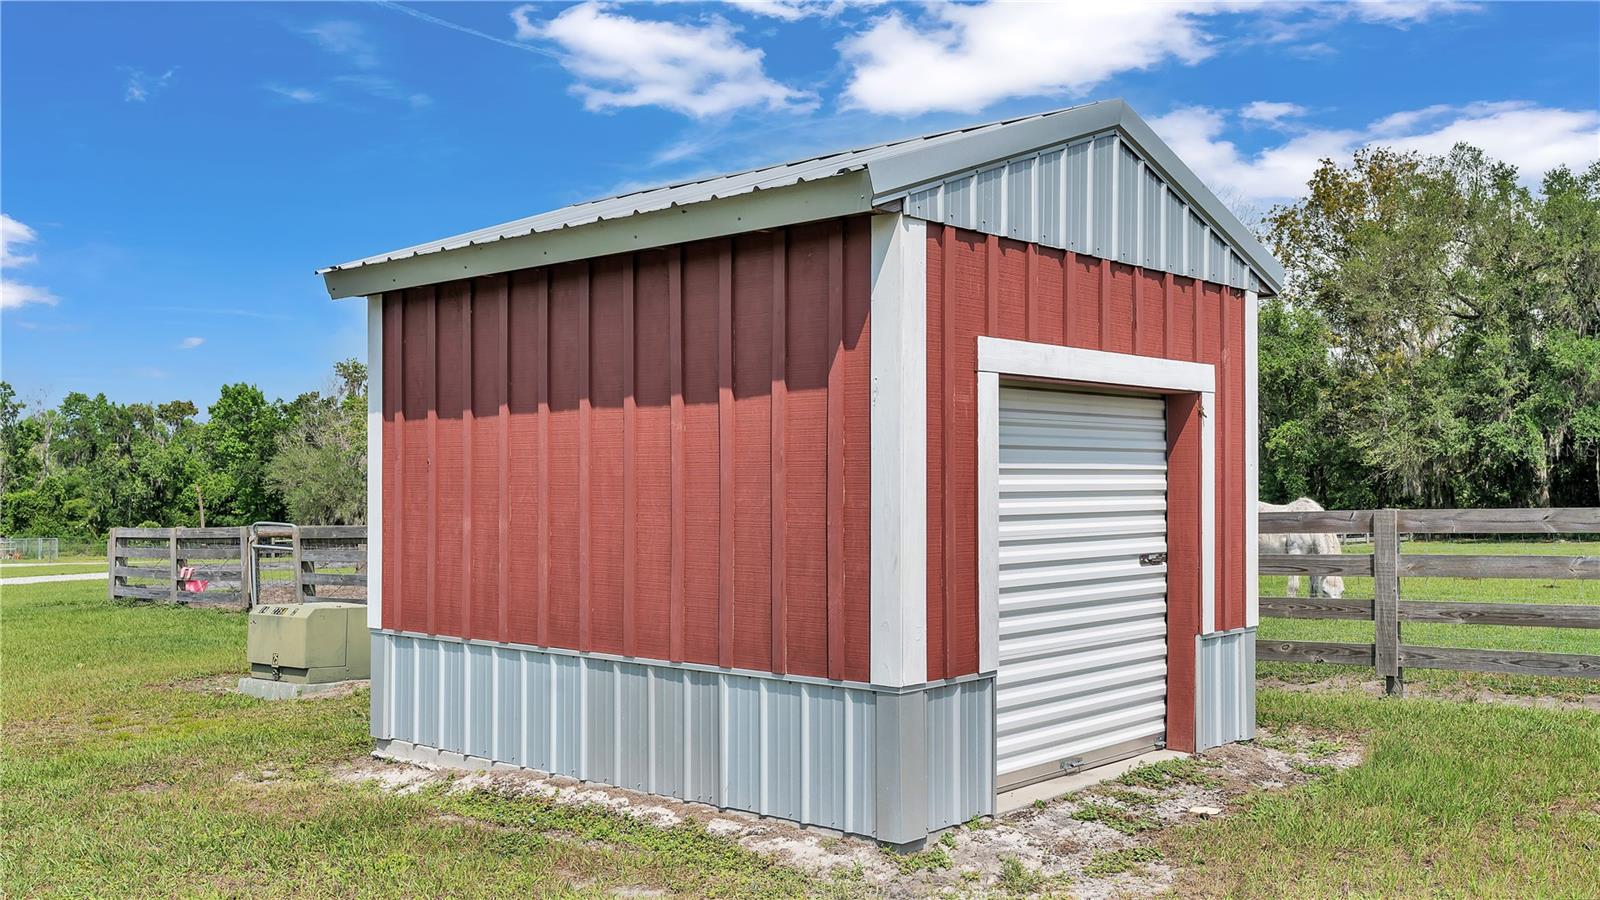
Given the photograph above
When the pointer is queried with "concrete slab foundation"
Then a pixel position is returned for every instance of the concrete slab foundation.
(284, 690)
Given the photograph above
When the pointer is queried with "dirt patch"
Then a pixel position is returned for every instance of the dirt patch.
(214, 685)
(1099, 843)
(1372, 687)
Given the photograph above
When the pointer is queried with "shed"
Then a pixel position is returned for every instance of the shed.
(857, 490)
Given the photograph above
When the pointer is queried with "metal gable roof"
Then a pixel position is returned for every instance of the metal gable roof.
(893, 170)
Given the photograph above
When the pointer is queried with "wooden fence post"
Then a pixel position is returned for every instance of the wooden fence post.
(172, 563)
(246, 576)
(111, 566)
(299, 572)
(1386, 599)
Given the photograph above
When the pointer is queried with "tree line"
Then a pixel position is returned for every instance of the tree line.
(1437, 343)
(88, 464)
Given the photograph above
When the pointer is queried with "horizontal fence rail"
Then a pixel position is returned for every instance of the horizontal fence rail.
(1386, 564)
(215, 566)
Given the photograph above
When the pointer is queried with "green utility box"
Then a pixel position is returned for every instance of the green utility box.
(310, 643)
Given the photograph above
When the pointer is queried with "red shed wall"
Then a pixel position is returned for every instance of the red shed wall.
(587, 455)
(985, 285)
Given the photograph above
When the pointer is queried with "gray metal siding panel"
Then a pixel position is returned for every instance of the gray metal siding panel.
(1216, 258)
(380, 693)
(1019, 200)
(1150, 237)
(1102, 201)
(1225, 696)
(780, 745)
(958, 202)
(991, 193)
(925, 204)
(795, 750)
(478, 711)
(1078, 196)
(1052, 199)
(508, 707)
(1129, 174)
(1194, 240)
(1177, 216)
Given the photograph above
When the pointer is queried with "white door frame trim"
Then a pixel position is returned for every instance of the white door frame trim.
(999, 358)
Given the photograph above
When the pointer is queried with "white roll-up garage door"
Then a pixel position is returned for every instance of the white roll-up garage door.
(1082, 671)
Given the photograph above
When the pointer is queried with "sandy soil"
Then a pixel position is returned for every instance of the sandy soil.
(1063, 847)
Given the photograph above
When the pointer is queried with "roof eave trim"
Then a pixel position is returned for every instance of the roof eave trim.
(848, 193)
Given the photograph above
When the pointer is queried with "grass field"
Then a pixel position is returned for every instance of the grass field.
(15, 570)
(127, 769)
(1489, 637)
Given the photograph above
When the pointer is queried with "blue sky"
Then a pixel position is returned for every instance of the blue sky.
(171, 175)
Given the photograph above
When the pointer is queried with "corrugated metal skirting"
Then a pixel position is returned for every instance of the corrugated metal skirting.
(1225, 689)
(798, 750)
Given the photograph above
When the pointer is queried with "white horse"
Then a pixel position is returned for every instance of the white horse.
(1305, 544)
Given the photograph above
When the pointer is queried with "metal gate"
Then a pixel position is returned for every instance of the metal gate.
(1082, 508)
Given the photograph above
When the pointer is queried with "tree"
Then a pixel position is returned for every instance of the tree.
(320, 466)
(1460, 316)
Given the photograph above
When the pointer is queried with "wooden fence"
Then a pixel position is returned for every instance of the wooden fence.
(1386, 565)
(150, 563)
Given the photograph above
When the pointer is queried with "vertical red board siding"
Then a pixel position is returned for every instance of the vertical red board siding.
(522, 474)
(1108, 306)
(1184, 430)
(1152, 316)
(857, 663)
(449, 577)
(585, 453)
(606, 463)
(568, 383)
(483, 551)
(652, 450)
(805, 451)
(702, 500)
(415, 407)
(941, 253)
(753, 261)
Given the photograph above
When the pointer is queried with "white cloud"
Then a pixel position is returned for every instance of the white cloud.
(14, 234)
(189, 343)
(386, 89)
(964, 58)
(297, 94)
(142, 86)
(1535, 139)
(1270, 112)
(700, 70)
(15, 294)
(345, 39)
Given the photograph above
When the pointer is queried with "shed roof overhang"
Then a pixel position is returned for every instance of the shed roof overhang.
(840, 184)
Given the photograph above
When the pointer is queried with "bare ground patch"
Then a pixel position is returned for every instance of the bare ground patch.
(1373, 687)
(1101, 842)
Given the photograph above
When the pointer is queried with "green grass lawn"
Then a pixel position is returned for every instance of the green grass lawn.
(126, 769)
(1488, 637)
(120, 778)
(56, 568)
(1454, 800)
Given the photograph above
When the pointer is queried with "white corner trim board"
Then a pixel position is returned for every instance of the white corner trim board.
(375, 461)
(1252, 465)
(1124, 370)
(899, 450)
(998, 358)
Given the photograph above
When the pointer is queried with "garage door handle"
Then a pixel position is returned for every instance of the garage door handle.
(1152, 559)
